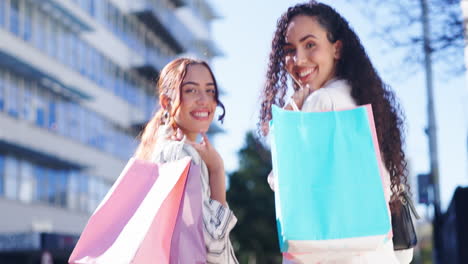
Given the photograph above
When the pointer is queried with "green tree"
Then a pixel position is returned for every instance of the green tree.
(255, 237)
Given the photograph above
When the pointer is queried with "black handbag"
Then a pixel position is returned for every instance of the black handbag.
(404, 235)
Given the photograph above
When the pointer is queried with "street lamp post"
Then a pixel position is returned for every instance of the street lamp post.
(432, 132)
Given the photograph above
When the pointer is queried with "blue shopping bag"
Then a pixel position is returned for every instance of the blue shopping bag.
(328, 170)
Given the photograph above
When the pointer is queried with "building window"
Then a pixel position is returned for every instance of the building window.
(100, 136)
(83, 192)
(40, 31)
(100, 71)
(99, 11)
(27, 113)
(124, 30)
(12, 89)
(51, 185)
(73, 191)
(90, 129)
(62, 183)
(27, 16)
(40, 103)
(2, 90)
(97, 190)
(32, 101)
(2, 174)
(73, 49)
(41, 184)
(62, 47)
(44, 22)
(40, 117)
(82, 57)
(53, 38)
(11, 177)
(47, 31)
(61, 118)
(150, 106)
(91, 66)
(73, 120)
(112, 17)
(109, 75)
(2, 13)
(14, 17)
(93, 188)
(83, 121)
(26, 182)
(52, 120)
(107, 127)
(119, 83)
(91, 8)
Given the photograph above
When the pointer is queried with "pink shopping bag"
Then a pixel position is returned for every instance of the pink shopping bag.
(136, 220)
(188, 243)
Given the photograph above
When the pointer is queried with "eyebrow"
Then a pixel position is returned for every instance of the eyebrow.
(303, 38)
(196, 84)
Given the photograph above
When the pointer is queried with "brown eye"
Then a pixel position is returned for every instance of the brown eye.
(190, 90)
(310, 45)
(288, 51)
(213, 91)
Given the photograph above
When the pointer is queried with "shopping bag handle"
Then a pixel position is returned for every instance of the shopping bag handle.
(293, 104)
(411, 205)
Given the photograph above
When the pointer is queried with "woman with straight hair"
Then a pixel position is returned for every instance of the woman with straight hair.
(188, 97)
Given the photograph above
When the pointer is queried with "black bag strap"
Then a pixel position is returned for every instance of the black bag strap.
(411, 205)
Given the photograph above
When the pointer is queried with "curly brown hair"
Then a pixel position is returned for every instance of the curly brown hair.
(355, 67)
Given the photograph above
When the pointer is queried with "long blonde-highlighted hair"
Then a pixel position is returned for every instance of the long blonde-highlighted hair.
(169, 90)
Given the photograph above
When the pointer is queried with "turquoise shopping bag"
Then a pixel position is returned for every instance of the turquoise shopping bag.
(328, 175)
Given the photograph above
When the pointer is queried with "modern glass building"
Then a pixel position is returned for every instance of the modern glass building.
(77, 81)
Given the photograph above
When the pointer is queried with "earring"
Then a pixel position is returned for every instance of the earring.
(165, 117)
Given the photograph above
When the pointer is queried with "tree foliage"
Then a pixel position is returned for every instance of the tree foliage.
(255, 238)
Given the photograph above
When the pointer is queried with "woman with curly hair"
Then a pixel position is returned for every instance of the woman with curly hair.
(188, 97)
(329, 69)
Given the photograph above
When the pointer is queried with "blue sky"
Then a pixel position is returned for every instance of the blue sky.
(244, 34)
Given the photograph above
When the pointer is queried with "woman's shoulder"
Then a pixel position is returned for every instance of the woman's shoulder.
(172, 150)
(333, 96)
(338, 90)
(318, 101)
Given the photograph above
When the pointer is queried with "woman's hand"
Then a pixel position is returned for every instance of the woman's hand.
(178, 135)
(210, 156)
(271, 180)
(215, 166)
(299, 97)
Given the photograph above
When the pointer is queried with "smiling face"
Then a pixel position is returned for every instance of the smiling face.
(197, 102)
(310, 58)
